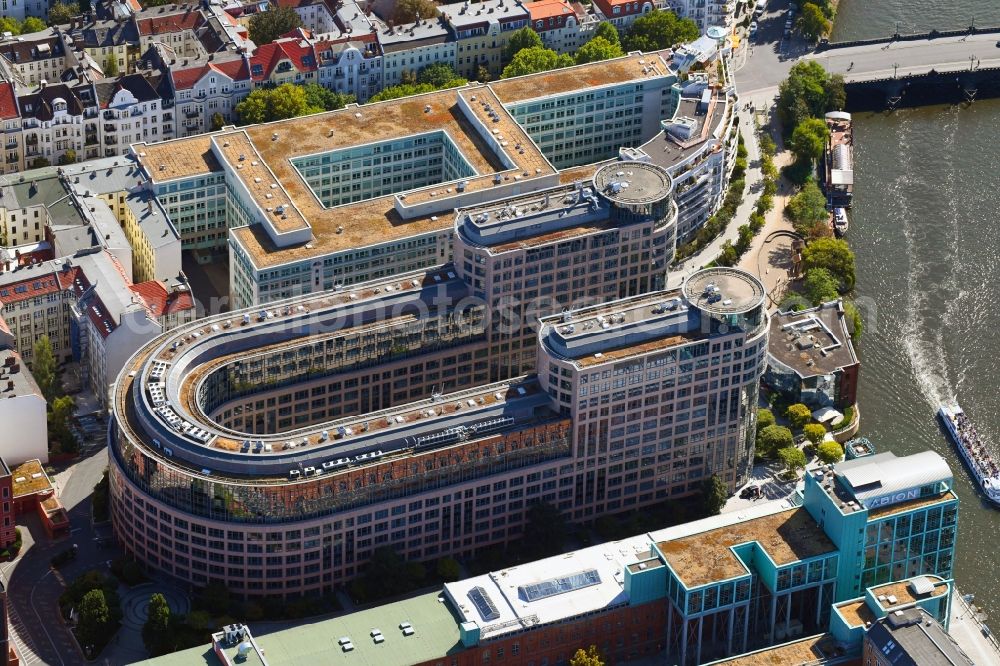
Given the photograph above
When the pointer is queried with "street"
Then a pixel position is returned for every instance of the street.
(33, 588)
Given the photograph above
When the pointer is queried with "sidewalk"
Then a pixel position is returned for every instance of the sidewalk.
(970, 633)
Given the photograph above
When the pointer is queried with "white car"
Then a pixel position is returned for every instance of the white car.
(753, 28)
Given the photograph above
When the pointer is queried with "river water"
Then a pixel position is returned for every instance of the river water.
(926, 231)
(869, 19)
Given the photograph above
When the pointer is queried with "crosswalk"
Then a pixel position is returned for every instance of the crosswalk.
(21, 638)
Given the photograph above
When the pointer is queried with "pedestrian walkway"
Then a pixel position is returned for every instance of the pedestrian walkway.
(971, 634)
(23, 644)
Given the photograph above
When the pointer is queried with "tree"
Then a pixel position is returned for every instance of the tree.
(9, 24)
(813, 23)
(809, 139)
(588, 657)
(62, 12)
(814, 432)
(792, 458)
(535, 59)
(820, 286)
(807, 211)
(545, 530)
(214, 598)
(764, 418)
(834, 255)
(32, 24)
(111, 69)
(483, 74)
(440, 75)
(267, 26)
(156, 635)
(318, 97)
(218, 121)
(854, 323)
(525, 38)
(773, 438)
(714, 494)
(69, 157)
(43, 368)
(744, 240)
(408, 11)
(402, 90)
(448, 569)
(266, 104)
(598, 49)
(95, 618)
(808, 92)
(798, 415)
(40, 162)
(609, 32)
(659, 29)
(59, 416)
(829, 452)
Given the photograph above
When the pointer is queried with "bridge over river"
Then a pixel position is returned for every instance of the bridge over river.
(772, 57)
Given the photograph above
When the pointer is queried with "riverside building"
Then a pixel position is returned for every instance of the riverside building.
(784, 582)
(373, 191)
(278, 447)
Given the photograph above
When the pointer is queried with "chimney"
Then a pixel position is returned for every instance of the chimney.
(10, 385)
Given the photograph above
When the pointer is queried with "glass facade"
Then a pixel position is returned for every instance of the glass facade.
(387, 167)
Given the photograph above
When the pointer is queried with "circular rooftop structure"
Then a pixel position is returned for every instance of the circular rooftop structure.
(632, 183)
(724, 291)
(717, 32)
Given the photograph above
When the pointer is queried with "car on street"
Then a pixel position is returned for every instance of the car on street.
(753, 28)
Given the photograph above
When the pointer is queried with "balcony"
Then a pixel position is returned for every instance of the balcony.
(12, 159)
(111, 140)
(91, 140)
(168, 117)
(31, 140)
(108, 127)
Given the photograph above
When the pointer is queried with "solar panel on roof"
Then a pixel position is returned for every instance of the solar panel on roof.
(481, 600)
(554, 586)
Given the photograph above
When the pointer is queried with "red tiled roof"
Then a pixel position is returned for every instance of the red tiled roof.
(269, 55)
(628, 7)
(545, 9)
(8, 101)
(297, 33)
(160, 25)
(159, 301)
(236, 69)
(38, 283)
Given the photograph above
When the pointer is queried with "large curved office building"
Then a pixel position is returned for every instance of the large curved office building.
(275, 449)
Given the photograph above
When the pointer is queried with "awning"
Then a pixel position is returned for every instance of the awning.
(827, 415)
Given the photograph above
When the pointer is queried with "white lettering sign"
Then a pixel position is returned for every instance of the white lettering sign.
(895, 498)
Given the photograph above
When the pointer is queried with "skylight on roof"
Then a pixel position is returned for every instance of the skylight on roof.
(554, 586)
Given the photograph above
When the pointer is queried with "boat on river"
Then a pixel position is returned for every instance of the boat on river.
(972, 448)
(838, 161)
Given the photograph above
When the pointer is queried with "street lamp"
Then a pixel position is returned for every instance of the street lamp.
(895, 66)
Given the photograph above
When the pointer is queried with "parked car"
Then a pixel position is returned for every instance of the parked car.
(753, 28)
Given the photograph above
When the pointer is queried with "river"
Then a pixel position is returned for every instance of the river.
(927, 239)
(869, 19)
(926, 232)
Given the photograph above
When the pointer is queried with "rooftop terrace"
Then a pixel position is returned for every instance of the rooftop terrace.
(905, 592)
(634, 67)
(30, 478)
(815, 649)
(377, 220)
(812, 342)
(706, 557)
